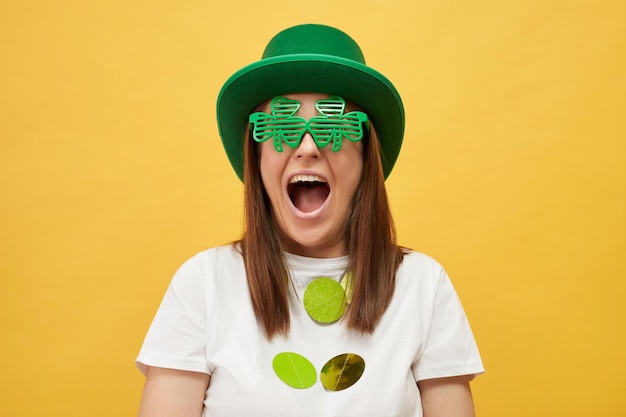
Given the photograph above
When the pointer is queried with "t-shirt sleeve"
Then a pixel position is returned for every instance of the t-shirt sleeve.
(450, 348)
(177, 338)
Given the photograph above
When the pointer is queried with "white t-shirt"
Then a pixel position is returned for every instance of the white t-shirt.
(206, 324)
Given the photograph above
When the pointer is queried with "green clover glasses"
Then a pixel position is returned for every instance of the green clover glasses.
(332, 124)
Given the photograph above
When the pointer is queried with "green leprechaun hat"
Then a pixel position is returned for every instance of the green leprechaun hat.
(310, 58)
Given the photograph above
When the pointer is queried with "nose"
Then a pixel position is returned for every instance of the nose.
(307, 148)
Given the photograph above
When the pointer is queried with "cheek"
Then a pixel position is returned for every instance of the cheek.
(348, 165)
(270, 166)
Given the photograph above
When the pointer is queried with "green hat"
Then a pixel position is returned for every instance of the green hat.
(317, 59)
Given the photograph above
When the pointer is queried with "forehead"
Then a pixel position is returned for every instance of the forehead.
(306, 97)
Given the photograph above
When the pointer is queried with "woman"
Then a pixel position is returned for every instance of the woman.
(316, 311)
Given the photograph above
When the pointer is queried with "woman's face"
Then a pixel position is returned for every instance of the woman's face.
(311, 190)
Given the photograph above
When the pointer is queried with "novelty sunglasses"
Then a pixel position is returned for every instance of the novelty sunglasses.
(332, 124)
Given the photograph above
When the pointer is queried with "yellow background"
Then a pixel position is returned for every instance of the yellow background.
(513, 175)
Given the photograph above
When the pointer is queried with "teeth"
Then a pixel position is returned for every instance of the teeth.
(305, 178)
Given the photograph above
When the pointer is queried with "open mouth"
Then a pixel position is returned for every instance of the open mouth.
(308, 192)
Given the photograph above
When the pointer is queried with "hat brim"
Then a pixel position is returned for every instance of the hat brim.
(270, 77)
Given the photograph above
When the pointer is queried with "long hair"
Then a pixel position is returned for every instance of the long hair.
(370, 240)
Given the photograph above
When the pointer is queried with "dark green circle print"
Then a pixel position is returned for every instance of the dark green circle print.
(342, 371)
(294, 370)
(325, 300)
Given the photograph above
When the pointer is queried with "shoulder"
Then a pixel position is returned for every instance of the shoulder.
(208, 262)
(418, 263)
(209, 257)
(420, 273)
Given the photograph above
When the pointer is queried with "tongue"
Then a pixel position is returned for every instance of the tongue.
(309, 197)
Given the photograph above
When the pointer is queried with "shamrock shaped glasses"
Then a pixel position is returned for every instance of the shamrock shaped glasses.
(284, 126)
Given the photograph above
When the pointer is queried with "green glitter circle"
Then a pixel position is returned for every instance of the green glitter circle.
(294, 370)
(325, 300)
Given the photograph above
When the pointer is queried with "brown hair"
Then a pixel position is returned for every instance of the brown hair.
(370, 239)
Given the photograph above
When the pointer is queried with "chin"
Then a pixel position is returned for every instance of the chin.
(315, 246)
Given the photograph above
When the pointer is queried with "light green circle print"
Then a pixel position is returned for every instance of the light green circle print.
(294, 370)
(325, 300)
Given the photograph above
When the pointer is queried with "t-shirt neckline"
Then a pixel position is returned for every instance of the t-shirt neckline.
(303, 269)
